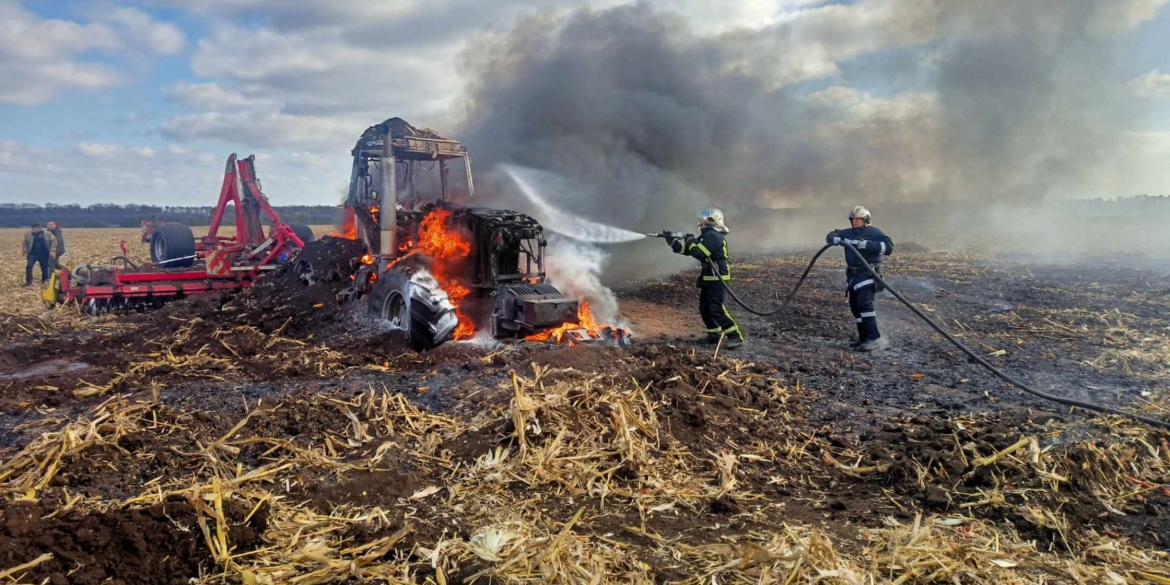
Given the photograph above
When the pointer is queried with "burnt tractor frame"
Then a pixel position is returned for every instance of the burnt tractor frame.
(393, 162)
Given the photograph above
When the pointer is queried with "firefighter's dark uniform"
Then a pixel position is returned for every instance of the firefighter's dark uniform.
(711, 244)
(860, 284)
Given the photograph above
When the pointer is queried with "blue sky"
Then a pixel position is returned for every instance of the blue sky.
(137, 101)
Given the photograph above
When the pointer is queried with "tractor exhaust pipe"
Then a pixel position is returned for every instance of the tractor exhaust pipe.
(388, 206)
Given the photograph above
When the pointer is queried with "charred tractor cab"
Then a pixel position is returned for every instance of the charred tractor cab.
(435, 270)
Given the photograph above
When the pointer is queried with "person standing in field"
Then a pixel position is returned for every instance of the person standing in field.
(38, 247)
(869, 246)
(710, 249)
(59, 235)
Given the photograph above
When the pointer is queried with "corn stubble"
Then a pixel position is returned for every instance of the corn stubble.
(601, 444)
(580, 470)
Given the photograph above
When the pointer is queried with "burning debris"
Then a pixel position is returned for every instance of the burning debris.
(585, 330)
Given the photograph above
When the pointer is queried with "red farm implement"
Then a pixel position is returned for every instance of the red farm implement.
(181, 265)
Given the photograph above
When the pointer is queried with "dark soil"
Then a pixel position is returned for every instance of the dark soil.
(158, 544)
(796, 396)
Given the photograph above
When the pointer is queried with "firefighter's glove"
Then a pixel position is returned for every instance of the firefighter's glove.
(859, 244)
(836, 241)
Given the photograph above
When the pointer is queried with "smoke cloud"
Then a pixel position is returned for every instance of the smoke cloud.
(996, 102)
(576, 268)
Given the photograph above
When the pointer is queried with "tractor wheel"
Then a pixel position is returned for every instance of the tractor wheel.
(304, 232)
(171, 241)
(416, 306)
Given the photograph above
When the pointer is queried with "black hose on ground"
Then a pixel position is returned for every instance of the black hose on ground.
(791, 295)
(938, 328)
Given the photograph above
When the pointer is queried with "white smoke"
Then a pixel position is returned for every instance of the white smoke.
(575, 267)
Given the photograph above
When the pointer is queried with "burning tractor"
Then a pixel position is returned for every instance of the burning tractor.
(437, 271)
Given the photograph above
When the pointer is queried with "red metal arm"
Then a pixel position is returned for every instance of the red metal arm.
(227, 193)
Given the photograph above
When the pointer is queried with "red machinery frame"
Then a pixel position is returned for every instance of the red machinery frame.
(242, 188)
(228, 262)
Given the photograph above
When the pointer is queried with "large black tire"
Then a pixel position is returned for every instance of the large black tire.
(171, 241)
(304, 232)
(416, 306)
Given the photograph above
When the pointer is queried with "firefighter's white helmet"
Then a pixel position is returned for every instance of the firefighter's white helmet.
(712, 218)
(860, 212)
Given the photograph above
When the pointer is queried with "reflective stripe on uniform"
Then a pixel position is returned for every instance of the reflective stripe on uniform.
(868, 314)
(863, 284)
(883, 247)
(858, 319)
(727, 258)
(702, 248)
(715, 330)
(717, 278)
(735, 325)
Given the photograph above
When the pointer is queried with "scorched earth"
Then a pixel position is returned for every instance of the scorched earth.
(276, 437)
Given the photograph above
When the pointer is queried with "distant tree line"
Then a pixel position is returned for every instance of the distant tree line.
(105, 215)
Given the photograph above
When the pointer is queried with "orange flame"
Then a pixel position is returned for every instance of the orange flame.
(347, 229)
(367, 259)
(585, 321)
(442, 244)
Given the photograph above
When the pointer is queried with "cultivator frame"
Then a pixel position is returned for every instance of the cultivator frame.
(211, 263)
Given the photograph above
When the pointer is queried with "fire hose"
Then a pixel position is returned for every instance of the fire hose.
(938, 328)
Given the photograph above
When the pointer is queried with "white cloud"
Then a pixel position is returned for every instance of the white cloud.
(811, 42)
(306, 88)
(211, 97)
(136, 28)
(99, 149)
(14, 155)
(265, 129)
(1118, 16)
(836, 95)
(906, 107)
(41, 59)
(32, 84)
(1154, 85)
(105, 150)
(23, 35)
(175, 176)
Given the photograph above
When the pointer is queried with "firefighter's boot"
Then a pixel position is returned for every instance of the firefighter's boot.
(860, 336)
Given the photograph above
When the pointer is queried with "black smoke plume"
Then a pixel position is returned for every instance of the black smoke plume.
(884, 103)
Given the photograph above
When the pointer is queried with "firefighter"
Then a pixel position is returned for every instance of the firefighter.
(861, 288)
(710, 249)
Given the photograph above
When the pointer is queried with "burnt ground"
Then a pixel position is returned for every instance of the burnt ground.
(833, 439)
(1096, 332)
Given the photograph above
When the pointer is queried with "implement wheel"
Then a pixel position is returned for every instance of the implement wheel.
(304, 232)
(170, 242)
(416, 306)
